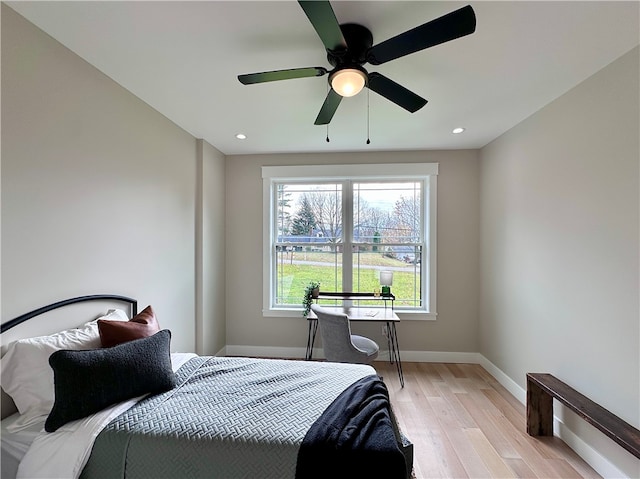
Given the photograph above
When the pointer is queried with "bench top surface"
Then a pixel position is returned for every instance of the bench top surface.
(613, 426)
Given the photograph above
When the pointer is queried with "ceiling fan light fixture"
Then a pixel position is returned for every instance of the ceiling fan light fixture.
(349, 46)
(348, 81)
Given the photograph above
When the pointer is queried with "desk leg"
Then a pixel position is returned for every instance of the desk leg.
(390, 346)
(395, 349)
(311, 337)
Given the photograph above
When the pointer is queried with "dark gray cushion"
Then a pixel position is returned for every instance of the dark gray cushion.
(86, 382)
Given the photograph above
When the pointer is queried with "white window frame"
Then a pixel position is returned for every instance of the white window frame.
(427, 172)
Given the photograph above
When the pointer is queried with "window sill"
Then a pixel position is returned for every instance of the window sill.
(416, 315)
(403, 315)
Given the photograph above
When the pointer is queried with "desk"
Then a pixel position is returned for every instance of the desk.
(374, 315)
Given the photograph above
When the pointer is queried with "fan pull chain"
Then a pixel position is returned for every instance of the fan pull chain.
(368, 140)
(328, 123)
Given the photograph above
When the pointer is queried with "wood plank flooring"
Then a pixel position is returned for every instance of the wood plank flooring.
(464, 424)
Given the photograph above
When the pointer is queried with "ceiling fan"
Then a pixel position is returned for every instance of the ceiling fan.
(349, 46)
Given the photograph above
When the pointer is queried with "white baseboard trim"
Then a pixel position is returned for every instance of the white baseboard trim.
(269, 352)
(591, 456)
(437, 357)
(299, 353)
(509, 384)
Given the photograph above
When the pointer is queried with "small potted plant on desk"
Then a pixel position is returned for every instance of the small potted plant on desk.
(311, 291)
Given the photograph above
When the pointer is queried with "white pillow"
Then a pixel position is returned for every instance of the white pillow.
(27, 376)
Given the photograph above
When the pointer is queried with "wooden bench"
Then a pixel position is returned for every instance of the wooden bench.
(543, 388)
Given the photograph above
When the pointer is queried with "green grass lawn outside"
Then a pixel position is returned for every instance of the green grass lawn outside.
(293, 277)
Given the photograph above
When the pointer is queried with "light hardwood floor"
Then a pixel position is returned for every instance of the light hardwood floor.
(463, 423)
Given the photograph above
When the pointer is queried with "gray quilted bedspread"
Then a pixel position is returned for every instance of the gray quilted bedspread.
(228, 418)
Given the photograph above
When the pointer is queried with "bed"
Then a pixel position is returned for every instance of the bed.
(109, 399)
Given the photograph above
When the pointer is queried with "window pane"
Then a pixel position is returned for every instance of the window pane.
(387, 235)
(308, 246)
(309, 213)
(387, 212)
(297, 265)
(406, 268)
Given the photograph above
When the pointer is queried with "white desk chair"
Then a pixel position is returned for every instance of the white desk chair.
(340, 346)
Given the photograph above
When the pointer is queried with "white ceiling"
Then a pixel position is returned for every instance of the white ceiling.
(183, 58)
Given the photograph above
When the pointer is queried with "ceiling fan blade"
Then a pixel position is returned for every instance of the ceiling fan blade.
(396, 93)
(263, 77)
(453, 25)
(329, 108)
(323, 19)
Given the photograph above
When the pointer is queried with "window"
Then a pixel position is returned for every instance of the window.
(344, 224)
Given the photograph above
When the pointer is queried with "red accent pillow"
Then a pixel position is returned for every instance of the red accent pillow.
(142, 325)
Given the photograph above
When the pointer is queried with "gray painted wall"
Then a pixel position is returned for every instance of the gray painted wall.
(210, 260)
(559, 247)
(99, 192)
(455, 329)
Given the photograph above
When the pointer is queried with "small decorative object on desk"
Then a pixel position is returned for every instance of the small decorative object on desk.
(386, 280)
(311, 291)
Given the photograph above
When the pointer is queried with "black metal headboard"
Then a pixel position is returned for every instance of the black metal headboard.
(80, 299)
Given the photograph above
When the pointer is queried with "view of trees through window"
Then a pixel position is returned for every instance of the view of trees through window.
(344, 233)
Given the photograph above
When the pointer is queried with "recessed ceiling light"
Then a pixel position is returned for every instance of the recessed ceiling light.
(241, 136)
(457, 131)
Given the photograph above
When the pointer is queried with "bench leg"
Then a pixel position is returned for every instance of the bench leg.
(539, 411)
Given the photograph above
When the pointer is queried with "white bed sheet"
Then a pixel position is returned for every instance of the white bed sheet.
(14, 445)
(65, 452)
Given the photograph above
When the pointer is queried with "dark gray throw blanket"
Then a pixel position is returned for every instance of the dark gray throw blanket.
(354, 437)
